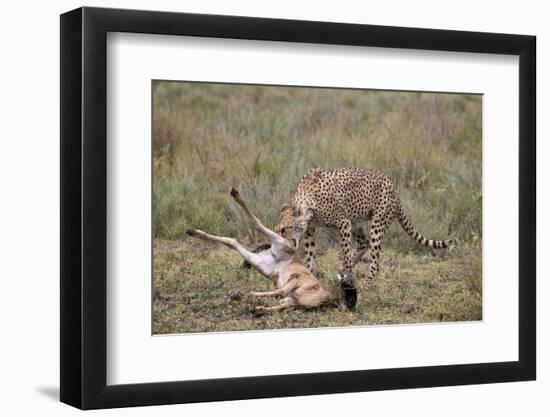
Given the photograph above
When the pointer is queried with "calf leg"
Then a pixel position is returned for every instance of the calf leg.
(274, 237)
(279, 292)
(282, 306)
(250, 257)
(275, 293)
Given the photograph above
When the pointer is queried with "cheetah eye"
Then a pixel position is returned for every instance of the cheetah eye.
(296, 212)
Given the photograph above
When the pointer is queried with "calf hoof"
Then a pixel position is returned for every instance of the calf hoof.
(350, 296)
(257, 311)
(236, 296)
(349, 292)
(245, 265)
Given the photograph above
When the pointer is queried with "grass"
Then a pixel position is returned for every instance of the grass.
(194, 283)
(210, 137)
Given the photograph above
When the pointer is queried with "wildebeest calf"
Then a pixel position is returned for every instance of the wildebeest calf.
(296, 285)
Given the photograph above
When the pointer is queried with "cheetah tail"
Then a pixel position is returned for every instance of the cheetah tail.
(411, 231)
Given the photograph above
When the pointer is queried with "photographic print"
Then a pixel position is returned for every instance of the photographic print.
(283, 207)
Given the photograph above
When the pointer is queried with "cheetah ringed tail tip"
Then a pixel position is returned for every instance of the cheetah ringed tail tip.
(413, 233)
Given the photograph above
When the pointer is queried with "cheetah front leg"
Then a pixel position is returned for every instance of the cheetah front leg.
(309, 244)
(345, 277)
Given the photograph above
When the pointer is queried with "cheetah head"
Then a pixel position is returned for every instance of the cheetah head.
(293, 222)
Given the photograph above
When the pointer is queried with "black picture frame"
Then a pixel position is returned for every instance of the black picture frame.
(84, 207)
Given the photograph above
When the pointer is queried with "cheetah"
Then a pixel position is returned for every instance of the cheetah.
(344, 198)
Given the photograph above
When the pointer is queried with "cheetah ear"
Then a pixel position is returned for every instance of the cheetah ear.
(304, 214)
(284, 206)
(308, 215)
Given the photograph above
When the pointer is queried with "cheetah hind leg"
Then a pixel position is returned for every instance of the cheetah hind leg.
(378, 229)
(362, 251)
